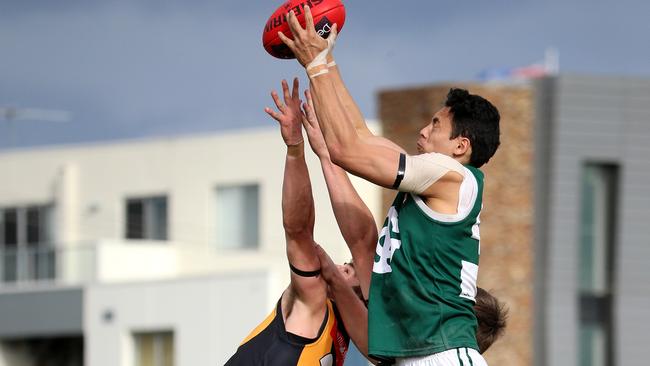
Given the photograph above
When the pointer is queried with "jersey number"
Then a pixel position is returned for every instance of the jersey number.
(389, 241)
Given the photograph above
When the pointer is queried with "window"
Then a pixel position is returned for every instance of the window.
(154, 348)
(238, 217)
(25, 243)
(596, 266)
(146, 218)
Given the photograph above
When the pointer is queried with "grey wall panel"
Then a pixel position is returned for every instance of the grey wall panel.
(41, 313)
(628, 307)
(599, 119)
(544, 112)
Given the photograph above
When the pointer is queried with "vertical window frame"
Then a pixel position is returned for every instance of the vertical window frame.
(596, 318)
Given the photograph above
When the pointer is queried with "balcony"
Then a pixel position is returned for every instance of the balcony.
(119, 261)
(28, 266)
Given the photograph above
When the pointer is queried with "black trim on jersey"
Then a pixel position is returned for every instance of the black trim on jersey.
(274, 345)
(302, 273)
(400, 171)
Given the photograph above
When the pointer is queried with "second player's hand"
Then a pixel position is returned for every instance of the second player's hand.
(289, 114)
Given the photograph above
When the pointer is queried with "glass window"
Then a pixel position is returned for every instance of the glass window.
(10, 227)
(25, 243)
(238, 217)
(146, 218)
(135, 219)
(154, 349)
(597, 235)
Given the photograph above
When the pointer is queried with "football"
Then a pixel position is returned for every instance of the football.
(325, 13)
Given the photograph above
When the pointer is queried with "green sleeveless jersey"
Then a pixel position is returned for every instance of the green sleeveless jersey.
(424, 276)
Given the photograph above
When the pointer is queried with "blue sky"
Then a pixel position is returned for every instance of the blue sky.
(127, 69)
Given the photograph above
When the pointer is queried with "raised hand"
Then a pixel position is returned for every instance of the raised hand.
(310, 123)
(328, 269)
(310, 49)
(289, 114)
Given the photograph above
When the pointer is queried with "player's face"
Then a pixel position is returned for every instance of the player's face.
(435, 137)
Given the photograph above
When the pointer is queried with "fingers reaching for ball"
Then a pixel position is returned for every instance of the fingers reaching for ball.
(289, 114)
(306, 44)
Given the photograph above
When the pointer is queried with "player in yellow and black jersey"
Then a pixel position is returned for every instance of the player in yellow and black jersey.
(271, 344)
(304, 328)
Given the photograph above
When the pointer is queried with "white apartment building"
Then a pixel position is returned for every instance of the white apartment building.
(163, 251)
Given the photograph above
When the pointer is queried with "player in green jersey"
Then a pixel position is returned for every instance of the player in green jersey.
(424, 275)
(490, 312)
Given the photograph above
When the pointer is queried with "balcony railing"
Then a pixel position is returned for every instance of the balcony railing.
(117, 261)
(29, 265)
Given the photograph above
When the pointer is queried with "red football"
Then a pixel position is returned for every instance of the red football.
(325, 13)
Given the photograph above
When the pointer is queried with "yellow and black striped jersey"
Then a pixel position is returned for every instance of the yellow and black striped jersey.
(269, 344)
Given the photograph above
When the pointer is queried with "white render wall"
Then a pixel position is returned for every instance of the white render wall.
(209, 317)
(210, 299)
(89, 184)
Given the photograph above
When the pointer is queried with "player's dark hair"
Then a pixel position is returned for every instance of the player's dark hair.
(492, 316)
(477, 119)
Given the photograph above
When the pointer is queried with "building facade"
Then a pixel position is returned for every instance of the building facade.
(152, 252)
(563, 232)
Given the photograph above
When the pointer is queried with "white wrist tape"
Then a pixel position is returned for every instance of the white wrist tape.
(425, 169)
(321, 58)
(331, 64)
(317, 71)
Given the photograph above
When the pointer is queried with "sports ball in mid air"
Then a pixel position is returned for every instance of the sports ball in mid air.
(325, 13)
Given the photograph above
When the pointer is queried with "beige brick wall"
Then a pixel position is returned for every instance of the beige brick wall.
(506, 267)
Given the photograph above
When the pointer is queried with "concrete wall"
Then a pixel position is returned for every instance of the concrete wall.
(209, 317)
(89, 184)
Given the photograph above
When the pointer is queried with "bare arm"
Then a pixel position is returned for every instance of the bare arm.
(347, 149)
(354, 219)
(304, 302)
(353, 311)
(378, 163)
(354, 113)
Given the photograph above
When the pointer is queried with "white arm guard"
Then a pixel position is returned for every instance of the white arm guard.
(423, 170)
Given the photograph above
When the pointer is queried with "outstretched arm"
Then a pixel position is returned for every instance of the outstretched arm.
(354, 219)
(376, 163)
(352, 109)
(305, 293)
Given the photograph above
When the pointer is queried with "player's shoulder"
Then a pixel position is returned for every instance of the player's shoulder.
(442, 160)
(476, 172)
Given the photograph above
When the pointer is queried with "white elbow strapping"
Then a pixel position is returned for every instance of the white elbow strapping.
(425, 169)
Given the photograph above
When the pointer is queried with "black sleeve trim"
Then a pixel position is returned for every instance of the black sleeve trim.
(301, 273)
(400, 171)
